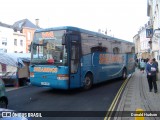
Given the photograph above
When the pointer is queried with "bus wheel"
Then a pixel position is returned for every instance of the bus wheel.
(124, 74)
(88, 81)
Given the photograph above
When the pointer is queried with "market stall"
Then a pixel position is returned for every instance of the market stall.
(14, 70)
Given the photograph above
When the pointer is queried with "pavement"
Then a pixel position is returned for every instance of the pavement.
(136, 96)
(13, 88)
(10, 88)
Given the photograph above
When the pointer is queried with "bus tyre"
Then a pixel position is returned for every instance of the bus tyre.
(88, 81)
(3, 103)
(124, 74)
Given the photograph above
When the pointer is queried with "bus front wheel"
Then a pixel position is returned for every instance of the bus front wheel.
(88, 81)
(124, 74)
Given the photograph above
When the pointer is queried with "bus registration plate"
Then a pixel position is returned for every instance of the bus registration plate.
(45, 83)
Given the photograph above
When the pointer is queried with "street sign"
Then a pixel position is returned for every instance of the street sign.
(149, 33)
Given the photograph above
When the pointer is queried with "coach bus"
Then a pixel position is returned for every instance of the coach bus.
(70, 57)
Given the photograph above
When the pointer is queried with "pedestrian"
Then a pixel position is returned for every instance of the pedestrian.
(147, 59)
(137, 63)
(155, 62)
(151, 70)
(142, 65)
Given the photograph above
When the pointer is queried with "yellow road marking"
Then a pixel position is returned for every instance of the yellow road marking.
(111, 108)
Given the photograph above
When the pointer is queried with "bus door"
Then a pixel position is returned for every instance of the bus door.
(74, 59)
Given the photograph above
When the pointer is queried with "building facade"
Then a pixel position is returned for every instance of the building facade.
(27, 28)
(153, 12)
(142, 42)
(29, 33)
(150, 35)
(6, 38)
(136, 40)
(17, 38)
(19, 42)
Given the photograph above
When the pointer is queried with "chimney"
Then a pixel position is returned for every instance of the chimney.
(37, 22)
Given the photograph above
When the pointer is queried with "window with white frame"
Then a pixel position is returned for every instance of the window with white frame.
(5, 50)
(116, 50)
(4, 41)
(21, 42)
(2, 50)
(15, 42)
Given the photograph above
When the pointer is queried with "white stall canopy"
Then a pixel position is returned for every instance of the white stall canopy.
(11, 60)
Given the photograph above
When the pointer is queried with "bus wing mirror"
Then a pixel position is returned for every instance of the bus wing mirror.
(64, 39)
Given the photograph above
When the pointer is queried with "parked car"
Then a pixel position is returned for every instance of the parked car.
(3, 97)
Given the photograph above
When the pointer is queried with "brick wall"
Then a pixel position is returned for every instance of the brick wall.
(29, 32)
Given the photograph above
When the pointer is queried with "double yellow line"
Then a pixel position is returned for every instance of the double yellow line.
(114, 103)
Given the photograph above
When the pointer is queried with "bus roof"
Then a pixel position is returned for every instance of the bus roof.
(83, 31)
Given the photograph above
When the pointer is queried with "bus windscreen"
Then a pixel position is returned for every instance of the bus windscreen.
(47, 48)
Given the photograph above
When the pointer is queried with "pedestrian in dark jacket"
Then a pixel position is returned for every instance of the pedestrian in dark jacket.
(151, 70)
(155, 62)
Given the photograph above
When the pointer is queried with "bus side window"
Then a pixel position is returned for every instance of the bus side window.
(133, 50)
(116, 50)
(74, 57)
(98, 49)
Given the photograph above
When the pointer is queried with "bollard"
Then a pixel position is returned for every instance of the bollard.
(139, 114)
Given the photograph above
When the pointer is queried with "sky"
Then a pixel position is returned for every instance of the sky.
(121, 18)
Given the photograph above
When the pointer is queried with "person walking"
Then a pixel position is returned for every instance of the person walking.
(155, 62)
(136, 63)
(151, 70)
(142, 65)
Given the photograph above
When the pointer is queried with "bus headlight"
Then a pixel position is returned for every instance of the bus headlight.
(62, 77)
(31, 74)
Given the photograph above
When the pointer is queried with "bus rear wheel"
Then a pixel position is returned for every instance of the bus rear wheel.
(124, 74)
(88, 82)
